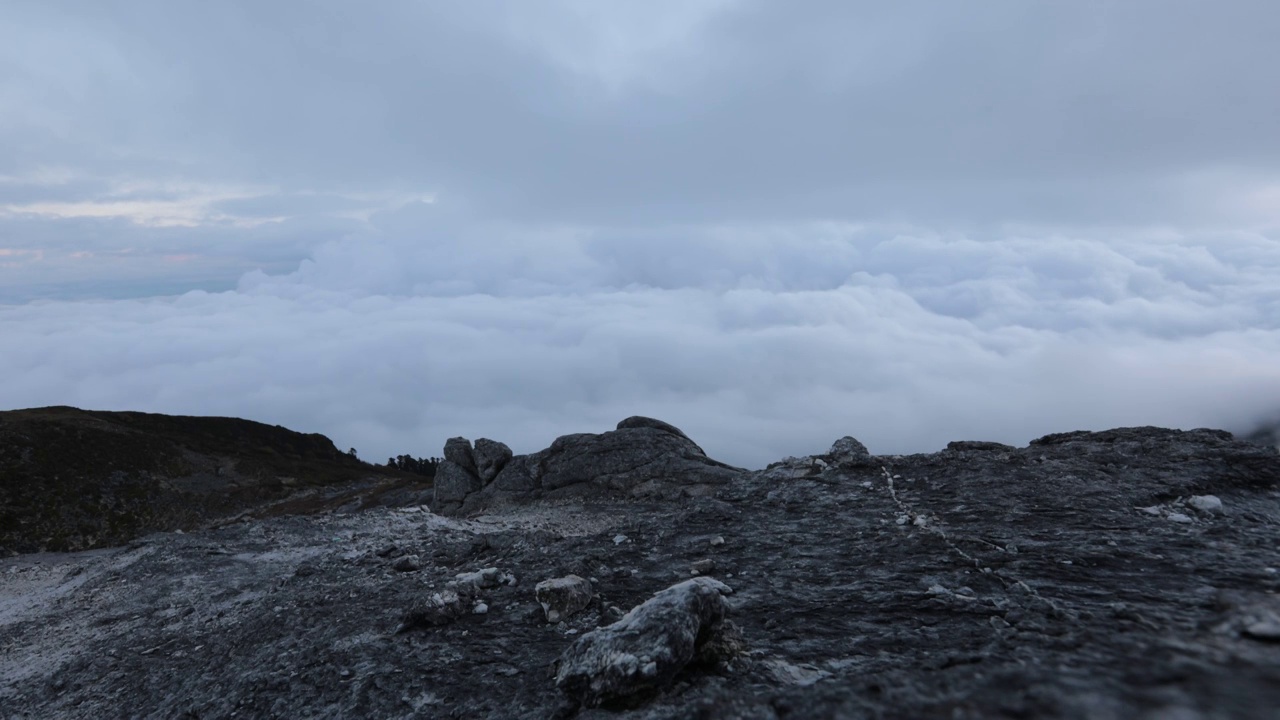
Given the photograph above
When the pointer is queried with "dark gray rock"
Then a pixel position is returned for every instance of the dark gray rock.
(848, 451)
(406, 563)
(490, 456)
(563, 597)
(640, 421)
(642, 458)
(440, 608)
(979, 446)
(453, 484)
(647, 647)
(458, 451)
(518, 476)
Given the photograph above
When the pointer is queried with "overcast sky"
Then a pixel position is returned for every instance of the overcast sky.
(771, 224)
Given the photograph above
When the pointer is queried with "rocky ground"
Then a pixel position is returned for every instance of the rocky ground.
(1126, 574)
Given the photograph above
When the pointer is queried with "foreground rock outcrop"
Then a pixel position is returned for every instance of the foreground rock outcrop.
(1130, 574)
(647, 647)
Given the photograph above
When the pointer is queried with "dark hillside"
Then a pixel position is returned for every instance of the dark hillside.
(74, 479)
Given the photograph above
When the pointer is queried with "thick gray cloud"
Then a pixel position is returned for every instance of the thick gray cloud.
(771, 223)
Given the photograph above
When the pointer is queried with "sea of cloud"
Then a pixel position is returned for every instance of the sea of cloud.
(397, 222)
(759, 341)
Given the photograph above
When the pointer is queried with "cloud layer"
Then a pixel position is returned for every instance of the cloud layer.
(769, 224)
(759, 342)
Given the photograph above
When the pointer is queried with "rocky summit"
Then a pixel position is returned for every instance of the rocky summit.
(1126, 574)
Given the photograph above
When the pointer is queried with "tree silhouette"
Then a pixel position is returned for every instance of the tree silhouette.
(419, 466)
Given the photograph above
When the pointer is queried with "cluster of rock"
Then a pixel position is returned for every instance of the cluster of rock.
(461, 596)
(643, 457)
(466, 470)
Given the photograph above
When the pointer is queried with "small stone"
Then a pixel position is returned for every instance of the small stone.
(903, 519)
(1206, 503)
(406, 563)
(1179, 518)
(619, 539)
(717, 541)
(489, 577)
(386, 551)
(562, 597)
(703, 567)
(480, 609)
(848, 451)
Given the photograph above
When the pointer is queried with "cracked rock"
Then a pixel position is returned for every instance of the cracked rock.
(490, 457)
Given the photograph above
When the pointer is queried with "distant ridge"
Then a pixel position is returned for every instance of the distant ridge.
(74, 479)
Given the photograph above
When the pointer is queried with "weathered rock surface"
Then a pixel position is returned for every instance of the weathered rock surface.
(642, 458)
(458, 451)
(980, 581)
(647, 647)
(848, 451)
(453, 483)
(563, 597)
(490, 456)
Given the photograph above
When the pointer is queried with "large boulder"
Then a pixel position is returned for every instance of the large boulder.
(647, 647)
(642, 458)
(848, 451)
